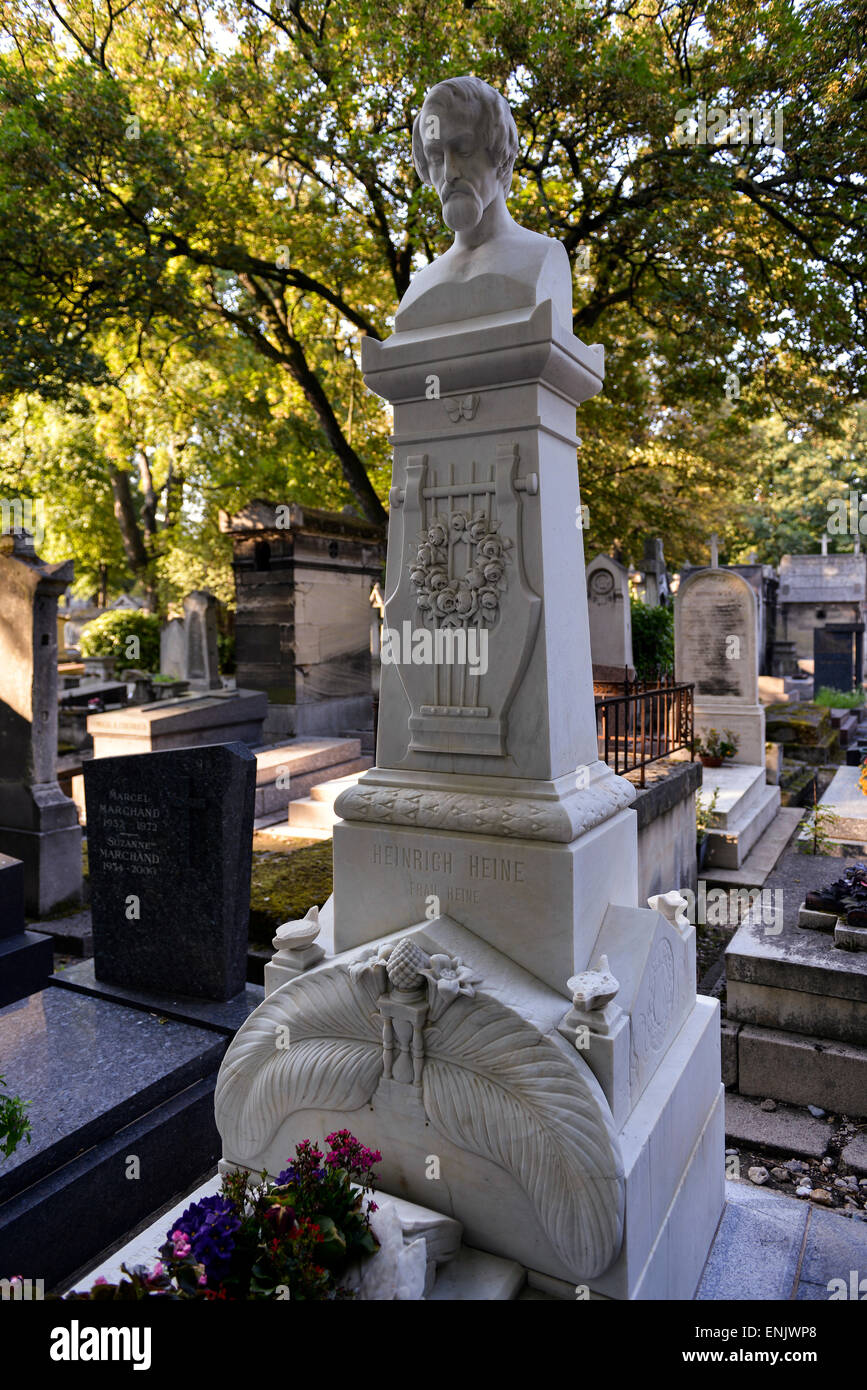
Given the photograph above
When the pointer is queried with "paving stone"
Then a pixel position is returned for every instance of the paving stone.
(835, 1245)
(854, 1155)
(785, 1131)
(755, 1254)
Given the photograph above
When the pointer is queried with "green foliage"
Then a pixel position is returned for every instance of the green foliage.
(226, 652)
(14, 1124)
(716, 744)
(132, 636)
(705, 816)
(229, 195)
(817, 829)
(839, 699)
(652, 640)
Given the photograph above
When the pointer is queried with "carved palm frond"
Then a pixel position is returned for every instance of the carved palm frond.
(313, 1043)
(495, 1087)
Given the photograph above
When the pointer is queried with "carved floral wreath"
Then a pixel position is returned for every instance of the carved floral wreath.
(450, 602)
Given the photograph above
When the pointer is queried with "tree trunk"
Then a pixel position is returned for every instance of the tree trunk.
(133, 541)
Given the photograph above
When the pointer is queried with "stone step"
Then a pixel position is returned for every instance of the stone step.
(287, 771)
(728, 848)
(316, 813)
(802, 1069)
(762, 858)
(738, 787)
(330, 790)
(797, 981)
(308, 814)
(844, 712)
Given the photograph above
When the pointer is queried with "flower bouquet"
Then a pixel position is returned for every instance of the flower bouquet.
(296, 1238)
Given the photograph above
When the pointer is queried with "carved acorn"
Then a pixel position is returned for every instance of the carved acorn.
(405, 965)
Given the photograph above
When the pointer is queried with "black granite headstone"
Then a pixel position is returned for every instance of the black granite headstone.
(170, 847)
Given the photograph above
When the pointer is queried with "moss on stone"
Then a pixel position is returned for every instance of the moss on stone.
(285, 885)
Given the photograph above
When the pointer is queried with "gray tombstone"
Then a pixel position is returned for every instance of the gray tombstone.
(170, 839)
(38, 824)
(173, 649)
(200, 625)
(657, 590)
(610, 615)
(716, 648)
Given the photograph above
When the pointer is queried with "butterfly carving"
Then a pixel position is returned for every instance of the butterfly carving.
(462, 407)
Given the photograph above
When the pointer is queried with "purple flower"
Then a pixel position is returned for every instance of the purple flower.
(210, 1227)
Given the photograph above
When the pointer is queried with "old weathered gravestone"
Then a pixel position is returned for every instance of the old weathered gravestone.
(716, 648)
(657, 592)
(38, 824)
(173, 649)
(170, 848)
(609, 612)
(200, 626)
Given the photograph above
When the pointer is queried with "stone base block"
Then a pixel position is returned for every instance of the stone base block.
(797, 981)
(52, 865)
(747, 723)
(802, 1070)
(319, 717)
(26, 961)
(539, 902)
(219, 716)
(673, 1155)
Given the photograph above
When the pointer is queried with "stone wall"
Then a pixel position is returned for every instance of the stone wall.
(666, 827)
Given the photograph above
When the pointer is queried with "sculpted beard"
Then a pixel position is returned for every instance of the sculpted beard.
(462, 207)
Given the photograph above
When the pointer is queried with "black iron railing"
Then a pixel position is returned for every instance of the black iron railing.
(646, 723)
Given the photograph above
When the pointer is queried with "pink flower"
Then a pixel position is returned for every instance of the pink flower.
(181, 1244)
(101, 1279)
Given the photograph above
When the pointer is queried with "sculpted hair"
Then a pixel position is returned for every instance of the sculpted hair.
(497, 124)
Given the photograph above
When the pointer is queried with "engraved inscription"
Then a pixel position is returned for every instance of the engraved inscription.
(129, 833)
(493, 868)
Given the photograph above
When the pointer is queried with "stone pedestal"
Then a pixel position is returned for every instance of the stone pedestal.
(487, 858)
(38, 824)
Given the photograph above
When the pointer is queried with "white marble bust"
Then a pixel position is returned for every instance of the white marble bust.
(464, 144)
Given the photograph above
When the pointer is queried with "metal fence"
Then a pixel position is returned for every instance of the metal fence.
(648, 722)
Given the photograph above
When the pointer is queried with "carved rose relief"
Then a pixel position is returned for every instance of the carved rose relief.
(447, 601)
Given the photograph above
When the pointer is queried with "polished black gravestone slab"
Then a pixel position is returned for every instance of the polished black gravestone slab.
(222, 1016)
(170, 847)
(26, 958)
(106, 1084)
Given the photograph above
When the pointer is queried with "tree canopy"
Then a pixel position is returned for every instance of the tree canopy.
(202, 210)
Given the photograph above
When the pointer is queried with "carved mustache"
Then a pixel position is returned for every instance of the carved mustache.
(459, 187)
